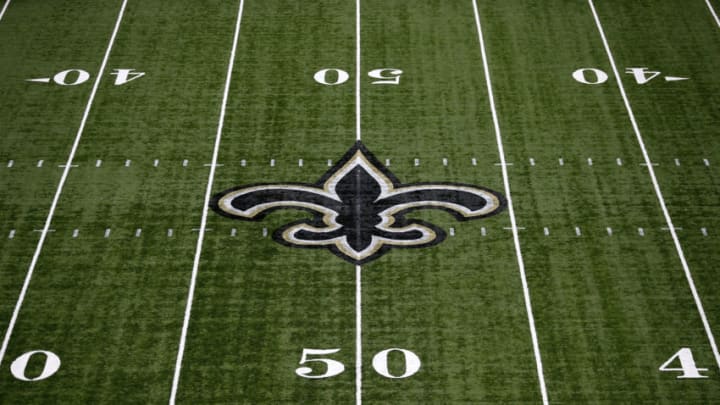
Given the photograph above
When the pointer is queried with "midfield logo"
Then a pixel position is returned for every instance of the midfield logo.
(358, 208)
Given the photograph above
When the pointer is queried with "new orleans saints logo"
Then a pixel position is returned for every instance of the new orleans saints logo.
(358, 208)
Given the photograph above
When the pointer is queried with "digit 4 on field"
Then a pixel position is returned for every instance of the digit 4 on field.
(642, 75)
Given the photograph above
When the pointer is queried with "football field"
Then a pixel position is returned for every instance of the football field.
(359, 202)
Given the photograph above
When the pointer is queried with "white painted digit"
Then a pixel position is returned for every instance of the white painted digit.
(687, 365)
(581, 76)
(321, 77)
(641, 74)
(334, 367)
(392, 77)
(412, 363)
(52, 365)
(61, 78)
(126, 76)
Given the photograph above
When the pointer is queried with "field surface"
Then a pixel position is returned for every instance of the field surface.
(378, 202)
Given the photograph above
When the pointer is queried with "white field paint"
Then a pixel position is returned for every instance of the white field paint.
(417, 162)
(677, 162)
(618, 161)
(712, 11)
(98, 163)
(358, 269)
(516, 237)
(203, 221)
(474, 161)
(653, 178)
(61, 184)
(2, 12)
(641, 232)
(387, 162)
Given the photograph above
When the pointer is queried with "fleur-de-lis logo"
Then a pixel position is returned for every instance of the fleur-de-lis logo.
(359, 208)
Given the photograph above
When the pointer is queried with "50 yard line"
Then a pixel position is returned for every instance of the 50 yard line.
(61, 184)
(513, 222)
(203, 221)
(661, 200)
(358, 268)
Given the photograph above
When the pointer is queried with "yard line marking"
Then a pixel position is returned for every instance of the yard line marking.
(203, 221)
(660, 198)
(358, 268)
(712, 11)
(2, 13)
(58, 192)
(516, 237)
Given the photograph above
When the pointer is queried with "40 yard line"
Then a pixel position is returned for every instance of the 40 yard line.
(661, 200)
(203, 221)
(513, 222)
(63, 179)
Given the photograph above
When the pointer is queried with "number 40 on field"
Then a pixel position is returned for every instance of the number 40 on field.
(74, 77)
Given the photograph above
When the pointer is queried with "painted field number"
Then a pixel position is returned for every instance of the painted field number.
(687, 365)
(18, 368)
(642, 75)
(332, 367)
(74, 77)
(334, 76)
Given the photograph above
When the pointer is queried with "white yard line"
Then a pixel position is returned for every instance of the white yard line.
(513, 222)
(656, 185)
(712, 11)
(203, 221)
(358, 335)
(68, 165)
(2, 12)
(358, 269)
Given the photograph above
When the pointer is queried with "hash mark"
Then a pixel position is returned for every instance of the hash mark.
(609, 231)
(107, 233)
(589, 161)
(300, 162)
(40, 163)
(651, 164)
(417, 162)
(12, 234)
(215, 165)
(483, 231)
(138, 232)
(577, 231)
(329, 162)
(675, 228)
(641, 232)
(546, 231)
(445, 162)
(387, 162)
(75, 233)
(66, 165)
(707, 162)
(170, 232)
(98, 163)
(185, 163)
(127, 163)
(704, 231)
(265, 232)
(474, 161)
(561, 161)
(505, 164)
(677, 162)
(243, 163)
(233, 232)
(452, 231)
(619, 161)
(156, 163)
(10, 163)
(532, 162)
(272, 162)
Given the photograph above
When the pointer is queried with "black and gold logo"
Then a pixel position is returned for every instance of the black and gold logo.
(358, 208)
